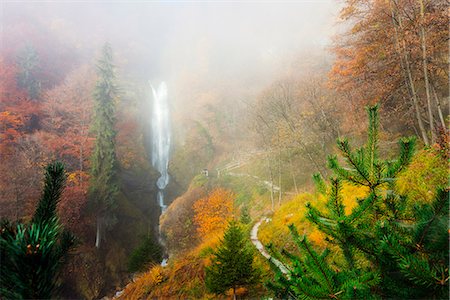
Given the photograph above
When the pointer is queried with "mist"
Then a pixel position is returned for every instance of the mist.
(243, 41)
(236, 48)
(154, 149)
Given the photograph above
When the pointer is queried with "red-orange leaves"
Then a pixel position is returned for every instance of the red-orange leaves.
(214, 211)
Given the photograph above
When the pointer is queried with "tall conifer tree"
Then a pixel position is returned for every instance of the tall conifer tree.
(388, 249)
(104, 186)
(232, 263)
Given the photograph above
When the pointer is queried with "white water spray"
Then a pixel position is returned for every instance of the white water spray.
(160, 139)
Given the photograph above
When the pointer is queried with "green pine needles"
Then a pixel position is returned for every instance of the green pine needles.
(387, 250)
(54, 178)
(32, 255)
(312, 277)
(232, 263)
(149, 251)
(104, 186)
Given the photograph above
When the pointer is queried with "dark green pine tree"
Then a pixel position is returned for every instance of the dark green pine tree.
(413, 253)
(387, 249)
(104, 186)
(32, 255)
(147, 253)
(232, 263)
(310, 276)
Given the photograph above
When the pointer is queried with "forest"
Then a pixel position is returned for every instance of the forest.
(224, 149)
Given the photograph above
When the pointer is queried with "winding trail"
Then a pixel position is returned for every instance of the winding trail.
(259, 246)
(254, 232)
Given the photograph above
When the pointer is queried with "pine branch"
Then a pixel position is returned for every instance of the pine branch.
(302, 242)
(324, 223)
(320, 184)
(335, 200)
(440, 203)
(418, 271)
(343, 173)
(357, 164)
(363, 207)
(55, 177)
(407, 147)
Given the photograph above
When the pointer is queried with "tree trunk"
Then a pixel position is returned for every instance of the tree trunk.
(303, 146)
(404, 60)
(425, 71)
(98, 236)
(279, 171)
(234, 293)
(271, 184)
(292, 172)
(319, 168)
(438, 105)
(279, 186)
(81, 165)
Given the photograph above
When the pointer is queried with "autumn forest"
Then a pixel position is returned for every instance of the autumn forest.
(224, 149)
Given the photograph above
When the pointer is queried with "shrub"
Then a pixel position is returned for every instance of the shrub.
(148, 252)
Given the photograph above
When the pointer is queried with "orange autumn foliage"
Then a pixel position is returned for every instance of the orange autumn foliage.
(10, 124)
(67, 120)
(214, 211)
(382, 49)
(20, 171)
(15, 108)
(183, 278)
(144, 284)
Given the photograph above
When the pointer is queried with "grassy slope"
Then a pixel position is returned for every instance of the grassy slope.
(185, 274)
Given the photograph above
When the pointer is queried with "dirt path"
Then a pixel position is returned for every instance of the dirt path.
(259, 246)
(265, 182)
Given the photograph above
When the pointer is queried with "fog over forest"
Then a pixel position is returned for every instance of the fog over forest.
(224, 149)
(229, 40)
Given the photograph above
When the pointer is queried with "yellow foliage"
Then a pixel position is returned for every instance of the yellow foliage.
(240, 292)
(427, 171)
(156, 276)
(294, 212)
(213, 212)
(177, 224)
(350, 193)
(143, 285)
(77, 178)
(183, 278)
(72, 177)
(291, 212)
(317, 237)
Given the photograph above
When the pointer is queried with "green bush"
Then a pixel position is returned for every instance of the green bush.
(149, 251)
(32, 254)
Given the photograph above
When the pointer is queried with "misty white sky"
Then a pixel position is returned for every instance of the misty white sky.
(159, 38)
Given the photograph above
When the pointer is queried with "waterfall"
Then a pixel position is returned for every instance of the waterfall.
(160, 139)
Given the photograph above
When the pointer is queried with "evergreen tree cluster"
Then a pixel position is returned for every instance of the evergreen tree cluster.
(388, 249)
(33, 254)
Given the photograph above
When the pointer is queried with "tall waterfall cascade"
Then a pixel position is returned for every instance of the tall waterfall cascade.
(161, 139)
